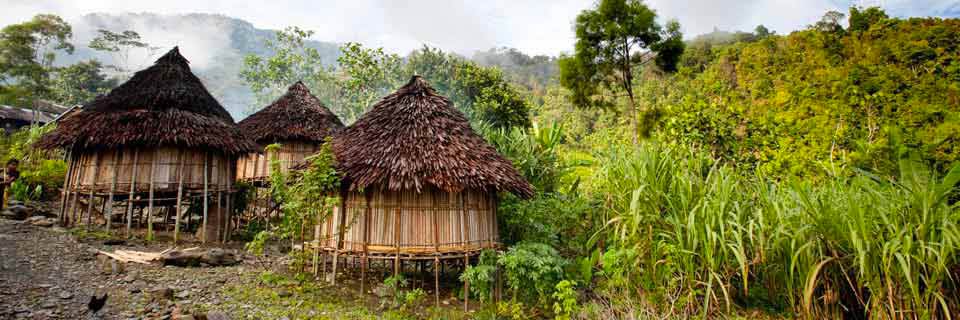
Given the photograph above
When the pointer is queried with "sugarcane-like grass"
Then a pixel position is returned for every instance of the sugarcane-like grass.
(707, 237)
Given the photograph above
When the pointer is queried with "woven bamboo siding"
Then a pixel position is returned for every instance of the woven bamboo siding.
(256, 166)
(429, 222)
(169, 162)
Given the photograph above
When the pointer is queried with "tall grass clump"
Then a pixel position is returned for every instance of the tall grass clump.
(701, 238)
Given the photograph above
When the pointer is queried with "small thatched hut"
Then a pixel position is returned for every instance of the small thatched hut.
(298, 121)
(419, 183)
(157, 140)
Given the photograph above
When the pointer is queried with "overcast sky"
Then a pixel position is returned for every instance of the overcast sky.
(535, 27)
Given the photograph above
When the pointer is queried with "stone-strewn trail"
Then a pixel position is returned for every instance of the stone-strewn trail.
(45, 273)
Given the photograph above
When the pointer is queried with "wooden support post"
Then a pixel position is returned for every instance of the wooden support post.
(366, 233)
(316, 262)
(363, 273)
(323, 264)
(93, 186)
(64, 220)
(206, 190)
(466, 283)
(153, 173)
(113, 188)
(133, 184)
(227, 226)
(75, 206)
(176, 223)
(396, 235)
(436, 279)
(336, 258)
(219, 226)
(499, 285)
(463, 224)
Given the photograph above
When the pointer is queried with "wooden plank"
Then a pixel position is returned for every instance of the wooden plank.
(133, 184)
(206, 189)
(153, 173)
(65, 191)
(179, 205)
(113, 187)
(96, 171)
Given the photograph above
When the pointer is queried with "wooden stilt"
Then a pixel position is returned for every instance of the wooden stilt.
(436, 279)
(336, 258)
(227, 227)
(64, 220)
(316, 262)
(396, 235)
(176, 218)
(219, 226)
(113, 188)
(341, 219)
(93, 186)
(363, 273)
(153, 173)
(166, 218)
(466, 284)
(323, 264)
(74, 210)
(206, 190)
(133, 184)
(498, 290)
(103, 207)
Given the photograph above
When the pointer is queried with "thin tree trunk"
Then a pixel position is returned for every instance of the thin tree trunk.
(634, 121)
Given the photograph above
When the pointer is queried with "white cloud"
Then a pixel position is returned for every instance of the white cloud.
(536, 27)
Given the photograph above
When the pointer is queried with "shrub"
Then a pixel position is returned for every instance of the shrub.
(532, 270)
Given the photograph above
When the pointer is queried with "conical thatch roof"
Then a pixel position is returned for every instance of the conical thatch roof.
(297, 115)
(163, 105)
(415, 138)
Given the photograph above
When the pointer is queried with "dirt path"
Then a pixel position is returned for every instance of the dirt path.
(45, 273)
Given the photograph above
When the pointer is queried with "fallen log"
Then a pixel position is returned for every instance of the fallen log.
(140, 256)
(212, 257)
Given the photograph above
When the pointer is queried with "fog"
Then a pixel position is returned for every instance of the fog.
(534, 27)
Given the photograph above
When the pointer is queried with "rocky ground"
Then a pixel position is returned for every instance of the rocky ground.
(51, 273)
(48, 272)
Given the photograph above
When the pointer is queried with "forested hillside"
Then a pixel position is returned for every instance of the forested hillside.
(789, 104)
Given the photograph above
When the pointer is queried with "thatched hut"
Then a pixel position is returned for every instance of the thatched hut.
(156, 141)
(419, 183)
(298, 121)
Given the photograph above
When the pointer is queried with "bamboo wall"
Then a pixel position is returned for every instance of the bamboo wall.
(411, 224)
(97, 170)
(256, 166)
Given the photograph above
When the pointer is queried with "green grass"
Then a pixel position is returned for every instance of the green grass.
(710, 239)
(271, 295)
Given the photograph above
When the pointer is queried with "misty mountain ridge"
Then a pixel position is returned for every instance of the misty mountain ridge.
(215, 45)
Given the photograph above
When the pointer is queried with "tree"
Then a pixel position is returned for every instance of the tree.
(483, 93)
(27, 52)
(762, 32)
(119, 46)
(862, 19)
(489, 97)
(80, 82)
(366, 75)
(292, 61)
(613, 41)
(830, 22)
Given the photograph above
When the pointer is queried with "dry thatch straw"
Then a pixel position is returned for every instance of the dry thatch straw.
(295, 116)
(163, 105)
(415, 138)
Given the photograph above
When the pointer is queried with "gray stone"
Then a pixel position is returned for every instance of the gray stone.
(66, 295)
(161, 293)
